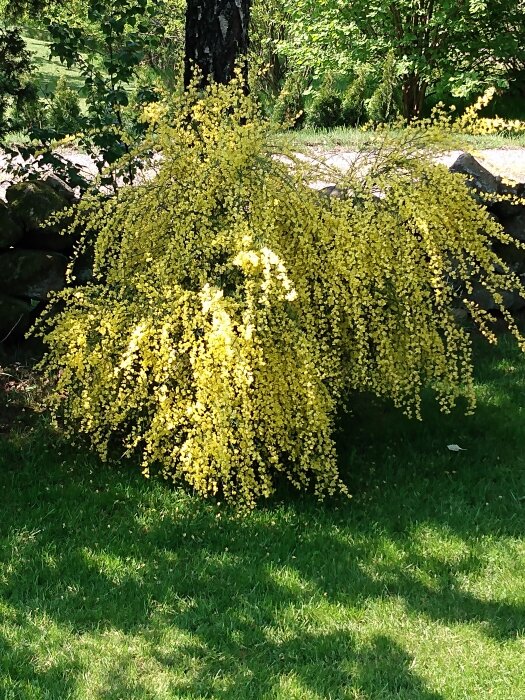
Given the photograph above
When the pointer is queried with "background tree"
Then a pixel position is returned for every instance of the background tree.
(15, 85)
(437, 44)
(216, 39)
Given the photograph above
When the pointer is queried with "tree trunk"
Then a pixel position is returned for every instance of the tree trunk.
(216, 40)
(414, 92)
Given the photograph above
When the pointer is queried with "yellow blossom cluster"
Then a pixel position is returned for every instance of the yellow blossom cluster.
(235, 309)
(470, 122)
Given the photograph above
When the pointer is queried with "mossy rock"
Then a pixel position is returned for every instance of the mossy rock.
(15, 316)
(10, 231)
(32, 273)
(513, 207)
(515, 227)
(32, 203)
(478, 178)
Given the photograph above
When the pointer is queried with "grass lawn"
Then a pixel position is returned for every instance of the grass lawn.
(353, 139)
(115, 587)
(49, 70)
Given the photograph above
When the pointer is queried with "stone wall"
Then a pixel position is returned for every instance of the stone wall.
(509, 213)
(33, 257)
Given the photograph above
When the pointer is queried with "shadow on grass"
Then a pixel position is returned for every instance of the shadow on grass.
(21, 674)
(237, 608)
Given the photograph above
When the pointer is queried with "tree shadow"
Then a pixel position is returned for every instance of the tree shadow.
(21, 672)
(98, 550)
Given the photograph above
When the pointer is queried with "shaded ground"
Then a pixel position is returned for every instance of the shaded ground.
(115, 587)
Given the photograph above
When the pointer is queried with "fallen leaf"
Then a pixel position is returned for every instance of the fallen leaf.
(456, 448)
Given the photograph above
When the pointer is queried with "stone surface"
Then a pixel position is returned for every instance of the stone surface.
(512, 301)
(32, 273)
(61, 188)
(33, 203)
(478, 177)
(10, 231)
(515, 227)
(512, 255)
(83, 267)
(332, 191)
(509, 208)
(45, 239)
(15, 315)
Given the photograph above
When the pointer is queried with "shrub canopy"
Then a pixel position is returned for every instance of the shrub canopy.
(235, 308)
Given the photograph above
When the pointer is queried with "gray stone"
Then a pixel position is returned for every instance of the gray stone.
(15, 317)
(32, 273)
(460, 314)
(509, 208)
(83, 263)
(515, 227)
(32, 204)
(63, 189)
(46, 239)
(510, 254)
(332, 191)
(512, 301)
(477, 177)
(10, 231)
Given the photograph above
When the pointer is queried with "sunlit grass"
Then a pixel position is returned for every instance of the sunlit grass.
(114, 587)
(353, 139)
(49, 69)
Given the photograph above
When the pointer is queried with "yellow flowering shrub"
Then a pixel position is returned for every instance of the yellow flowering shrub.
(471, 122)
(235, 308)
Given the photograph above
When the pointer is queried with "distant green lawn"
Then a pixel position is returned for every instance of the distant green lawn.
(115, 587)
(353, 139)
(49, 70)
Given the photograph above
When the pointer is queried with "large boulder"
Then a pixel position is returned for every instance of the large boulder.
(515, 227)
(510, 254)
(15, 316)
(61, 188)
(487, 188)
(477, 177)
(10, 231)
(32, 273)
(512, 203)
(33, 205)
(512, 301)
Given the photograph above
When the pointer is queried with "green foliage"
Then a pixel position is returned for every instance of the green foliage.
(289, 107)
(235, 309)
(64, 109)
(443, 44)
(269, 69)
(116, 30)
(354, 107)
(163, 58)
(16, 89)
(381, 107)
(326, 109)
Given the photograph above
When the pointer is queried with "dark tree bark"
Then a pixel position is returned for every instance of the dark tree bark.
(216, 40)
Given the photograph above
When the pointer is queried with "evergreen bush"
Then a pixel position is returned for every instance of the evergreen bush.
(65, 115)
(382, 107)
(326, 109)
(354, 107)
(288, 110)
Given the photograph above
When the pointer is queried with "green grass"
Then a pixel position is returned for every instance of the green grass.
(353, 139)
(49, 70)
(115, 587)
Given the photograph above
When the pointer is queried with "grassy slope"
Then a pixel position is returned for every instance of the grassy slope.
(113, 587)
(49, 70)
